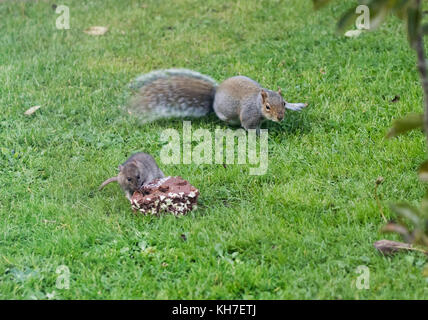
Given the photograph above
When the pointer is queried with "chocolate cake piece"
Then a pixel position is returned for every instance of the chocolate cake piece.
(167, 195)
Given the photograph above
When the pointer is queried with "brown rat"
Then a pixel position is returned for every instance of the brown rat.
(138, 170)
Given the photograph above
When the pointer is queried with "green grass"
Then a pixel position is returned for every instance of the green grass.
(298, 232)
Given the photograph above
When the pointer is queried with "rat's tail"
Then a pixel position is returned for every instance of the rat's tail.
(172, 93)
(113, 179)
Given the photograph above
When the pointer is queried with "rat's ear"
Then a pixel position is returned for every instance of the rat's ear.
(279, 91)
(264, 96)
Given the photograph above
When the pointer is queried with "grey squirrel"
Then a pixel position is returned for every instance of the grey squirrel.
(182, 92)
(138, 170)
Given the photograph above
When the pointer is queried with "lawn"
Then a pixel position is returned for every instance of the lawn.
(298, 232)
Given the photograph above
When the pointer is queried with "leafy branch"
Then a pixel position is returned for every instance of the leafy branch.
(410, 12)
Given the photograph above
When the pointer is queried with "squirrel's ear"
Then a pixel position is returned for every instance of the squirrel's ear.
(264, 96)
(279, 91)
(120, 167)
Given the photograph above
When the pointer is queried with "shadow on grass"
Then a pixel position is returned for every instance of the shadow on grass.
(293, 123)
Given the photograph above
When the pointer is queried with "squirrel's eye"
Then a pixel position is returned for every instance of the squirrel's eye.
(138, 177)
(129, 179)
(267, 107)
(283, 103)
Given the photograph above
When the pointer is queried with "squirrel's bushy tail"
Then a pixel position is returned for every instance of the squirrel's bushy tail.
(171, 93)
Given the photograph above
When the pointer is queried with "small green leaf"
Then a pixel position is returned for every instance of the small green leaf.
(319, 3)
(425, 28)
(400, 8)
(408, 212)
(378, 12)
(347, 18)
(409, 122)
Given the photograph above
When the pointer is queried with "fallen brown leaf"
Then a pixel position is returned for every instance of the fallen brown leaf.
(96, 31)
(49, 221)
(388, 247)
(30, 111)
